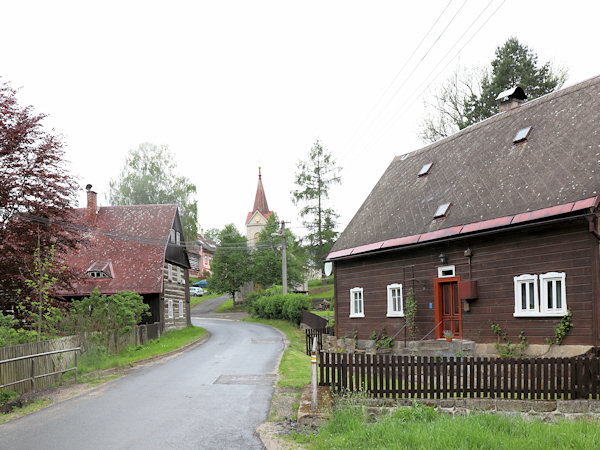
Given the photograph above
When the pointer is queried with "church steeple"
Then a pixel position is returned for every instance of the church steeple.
(260, 200)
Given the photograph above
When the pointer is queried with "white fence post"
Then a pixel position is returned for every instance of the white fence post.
(313, 376)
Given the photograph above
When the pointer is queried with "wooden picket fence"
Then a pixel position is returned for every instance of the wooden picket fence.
(22, 369)
(433, 377)
(318, 333)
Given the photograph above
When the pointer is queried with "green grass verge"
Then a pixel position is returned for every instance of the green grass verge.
(423, 427)
(294, 370)
(169, 341)
(18, 412)
(227, 307)
(326, 314)
(319, 282)
(195, 300)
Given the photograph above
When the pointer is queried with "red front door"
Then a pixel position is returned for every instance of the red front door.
(448, 310)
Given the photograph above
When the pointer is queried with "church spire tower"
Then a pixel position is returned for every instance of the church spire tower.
(260, 200)
(258, 217)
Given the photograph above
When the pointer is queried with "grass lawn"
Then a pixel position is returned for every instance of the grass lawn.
(316, 289)
(171, 340)
(423, 427)
(327, 314)
(294, 370)
(228, 307)
(195, 300)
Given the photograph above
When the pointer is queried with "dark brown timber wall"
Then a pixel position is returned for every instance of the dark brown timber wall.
(560, 247)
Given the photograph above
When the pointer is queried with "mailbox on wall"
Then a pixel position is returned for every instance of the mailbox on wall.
(467, 290)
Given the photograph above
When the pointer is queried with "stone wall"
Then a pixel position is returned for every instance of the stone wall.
(544, 410)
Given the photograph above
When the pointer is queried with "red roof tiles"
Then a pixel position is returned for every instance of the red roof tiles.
(132, 240)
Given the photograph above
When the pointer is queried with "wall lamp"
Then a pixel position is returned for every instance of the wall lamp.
(443, 258)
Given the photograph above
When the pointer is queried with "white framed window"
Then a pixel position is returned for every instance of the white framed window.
(553, 294)
(526, 296)
(179, 277)
(172, 235)
(357, 307)
(180, 308)
(170, 270)
(170, 308)
(177, 238)
(395, 301)
(446, 271)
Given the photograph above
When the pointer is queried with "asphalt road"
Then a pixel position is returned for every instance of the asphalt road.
(212, 396)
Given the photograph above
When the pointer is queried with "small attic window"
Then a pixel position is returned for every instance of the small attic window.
(99, 270)
(403, 157)
(425, 170)
(442, 211)
(97, 274)
(522, 135)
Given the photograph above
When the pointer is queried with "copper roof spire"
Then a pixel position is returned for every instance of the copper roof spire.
(260, 201)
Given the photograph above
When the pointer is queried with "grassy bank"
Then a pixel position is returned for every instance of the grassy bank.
(169, 341)
(294, 370)
(195, 300)
(228, 307)
(423, 427)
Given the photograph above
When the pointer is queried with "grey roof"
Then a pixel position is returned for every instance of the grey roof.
(484, 175)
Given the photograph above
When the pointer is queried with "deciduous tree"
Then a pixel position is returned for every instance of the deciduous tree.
(232, 263)
(314, 178)
(36, 192)
(469, 96)
(267, 256)
(149, 176)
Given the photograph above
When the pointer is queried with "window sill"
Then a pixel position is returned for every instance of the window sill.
(357, 316)
(542, 315)
(395, 314)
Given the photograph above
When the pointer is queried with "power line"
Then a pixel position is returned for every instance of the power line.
(382, 96)
(409, 103)
(407, 78)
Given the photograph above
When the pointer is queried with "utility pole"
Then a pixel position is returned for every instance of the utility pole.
(283, 258)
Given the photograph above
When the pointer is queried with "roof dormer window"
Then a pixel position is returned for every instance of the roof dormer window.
(442, 211)
(522, 135)
(99, 270)
(425, 170)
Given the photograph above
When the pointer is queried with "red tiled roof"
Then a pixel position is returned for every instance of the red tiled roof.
(266, 215)
(132, 239)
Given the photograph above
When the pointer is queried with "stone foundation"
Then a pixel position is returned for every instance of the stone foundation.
(441, 347)
(544, 410)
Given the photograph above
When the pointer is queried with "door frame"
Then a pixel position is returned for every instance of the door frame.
(437, 290)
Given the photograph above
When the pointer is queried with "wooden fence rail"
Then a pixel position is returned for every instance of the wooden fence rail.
(435, 377)
(17, 372)
(312, 320)
(32, 359)
(318, 333)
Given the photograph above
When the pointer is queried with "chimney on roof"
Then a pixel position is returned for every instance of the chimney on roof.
(92, 202)
(511, 98)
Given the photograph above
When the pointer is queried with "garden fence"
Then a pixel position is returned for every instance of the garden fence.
(393, 376)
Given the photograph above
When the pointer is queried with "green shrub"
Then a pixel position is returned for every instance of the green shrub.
(279, 306)
(9, 335)
(293, 306)
(252, 297)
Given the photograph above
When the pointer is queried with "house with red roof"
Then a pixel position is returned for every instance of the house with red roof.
(201, 253)
(494, 226)
(137, 248)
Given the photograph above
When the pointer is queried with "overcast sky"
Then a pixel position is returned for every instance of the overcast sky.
(233, 85)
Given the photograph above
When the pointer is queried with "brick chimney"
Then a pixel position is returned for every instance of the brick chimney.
(511, 98)
(92, 202)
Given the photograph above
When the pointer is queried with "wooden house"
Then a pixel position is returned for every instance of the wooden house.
(495, 225)
(137, 248)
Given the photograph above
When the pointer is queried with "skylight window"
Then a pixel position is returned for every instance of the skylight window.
(403, 157)
(425, 169)
(522, 135)
(442, 211)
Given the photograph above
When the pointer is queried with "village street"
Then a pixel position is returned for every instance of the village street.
(213, 395)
